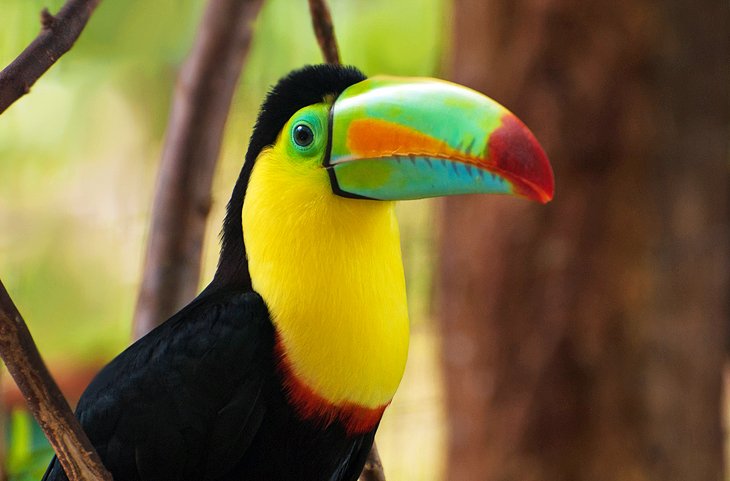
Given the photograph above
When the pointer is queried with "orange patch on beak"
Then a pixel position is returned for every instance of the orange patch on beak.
(375, 138)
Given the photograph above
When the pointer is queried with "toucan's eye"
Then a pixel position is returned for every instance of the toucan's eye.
(303, 135)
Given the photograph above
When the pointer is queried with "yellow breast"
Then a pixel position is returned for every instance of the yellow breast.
(330, 271)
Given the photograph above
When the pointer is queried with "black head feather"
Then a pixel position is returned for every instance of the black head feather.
(306, 86)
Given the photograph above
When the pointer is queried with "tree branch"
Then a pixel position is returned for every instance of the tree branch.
(18, 351)
(204, 91)
(373, 470)
(75, 452)
(57, 36)
(200, 107)
(324, 30)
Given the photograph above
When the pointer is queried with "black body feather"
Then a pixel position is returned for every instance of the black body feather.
(199, 398)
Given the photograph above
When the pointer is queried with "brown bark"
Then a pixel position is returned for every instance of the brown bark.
(58, 34)
(17, 349)
(44, 399)
(205, 89)
(324, 30)
(584, 340)
(71, 380)
(200, 107)
(373, 469)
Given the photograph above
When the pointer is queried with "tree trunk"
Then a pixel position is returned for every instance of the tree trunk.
(200, 107)
(584, 340)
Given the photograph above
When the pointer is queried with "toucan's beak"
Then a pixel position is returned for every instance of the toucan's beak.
(394, 139)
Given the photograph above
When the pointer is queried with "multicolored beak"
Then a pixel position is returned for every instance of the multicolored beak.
(397, 139)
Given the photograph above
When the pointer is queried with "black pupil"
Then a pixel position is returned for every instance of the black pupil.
(303, 135)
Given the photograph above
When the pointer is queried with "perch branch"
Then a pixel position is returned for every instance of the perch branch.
(201, 103)
(373, 470)
(57, 36)
(18, 351)
(324, 30)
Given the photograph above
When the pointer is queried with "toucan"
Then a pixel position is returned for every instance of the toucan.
(283, 365)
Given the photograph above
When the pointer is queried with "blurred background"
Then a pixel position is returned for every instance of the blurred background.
(582, 340)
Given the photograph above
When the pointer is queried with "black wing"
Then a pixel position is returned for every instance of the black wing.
(185, 401)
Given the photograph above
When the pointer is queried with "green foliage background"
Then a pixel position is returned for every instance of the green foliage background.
(78, 159)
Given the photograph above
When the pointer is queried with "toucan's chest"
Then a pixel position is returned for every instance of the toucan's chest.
(312, 407)
(331, 274)
(288, 447)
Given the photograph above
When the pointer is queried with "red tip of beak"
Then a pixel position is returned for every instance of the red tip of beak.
(518, 155)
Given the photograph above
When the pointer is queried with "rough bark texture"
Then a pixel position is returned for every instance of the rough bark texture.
(57, 36)
(200, 107)
(44, 399)
(584, 340)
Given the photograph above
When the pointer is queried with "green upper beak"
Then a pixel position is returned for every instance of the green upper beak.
(396, 139)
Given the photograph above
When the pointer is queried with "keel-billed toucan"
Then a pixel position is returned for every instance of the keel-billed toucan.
(282, 367)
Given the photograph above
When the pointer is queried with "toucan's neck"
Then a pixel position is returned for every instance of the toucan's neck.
(330, 271)
(232, 271)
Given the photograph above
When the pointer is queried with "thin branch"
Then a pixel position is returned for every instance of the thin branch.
(200, 107)
(324, 30)
(57, 36)
(75, 452)
(373, 470)
(203, 97)
(18, 351)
